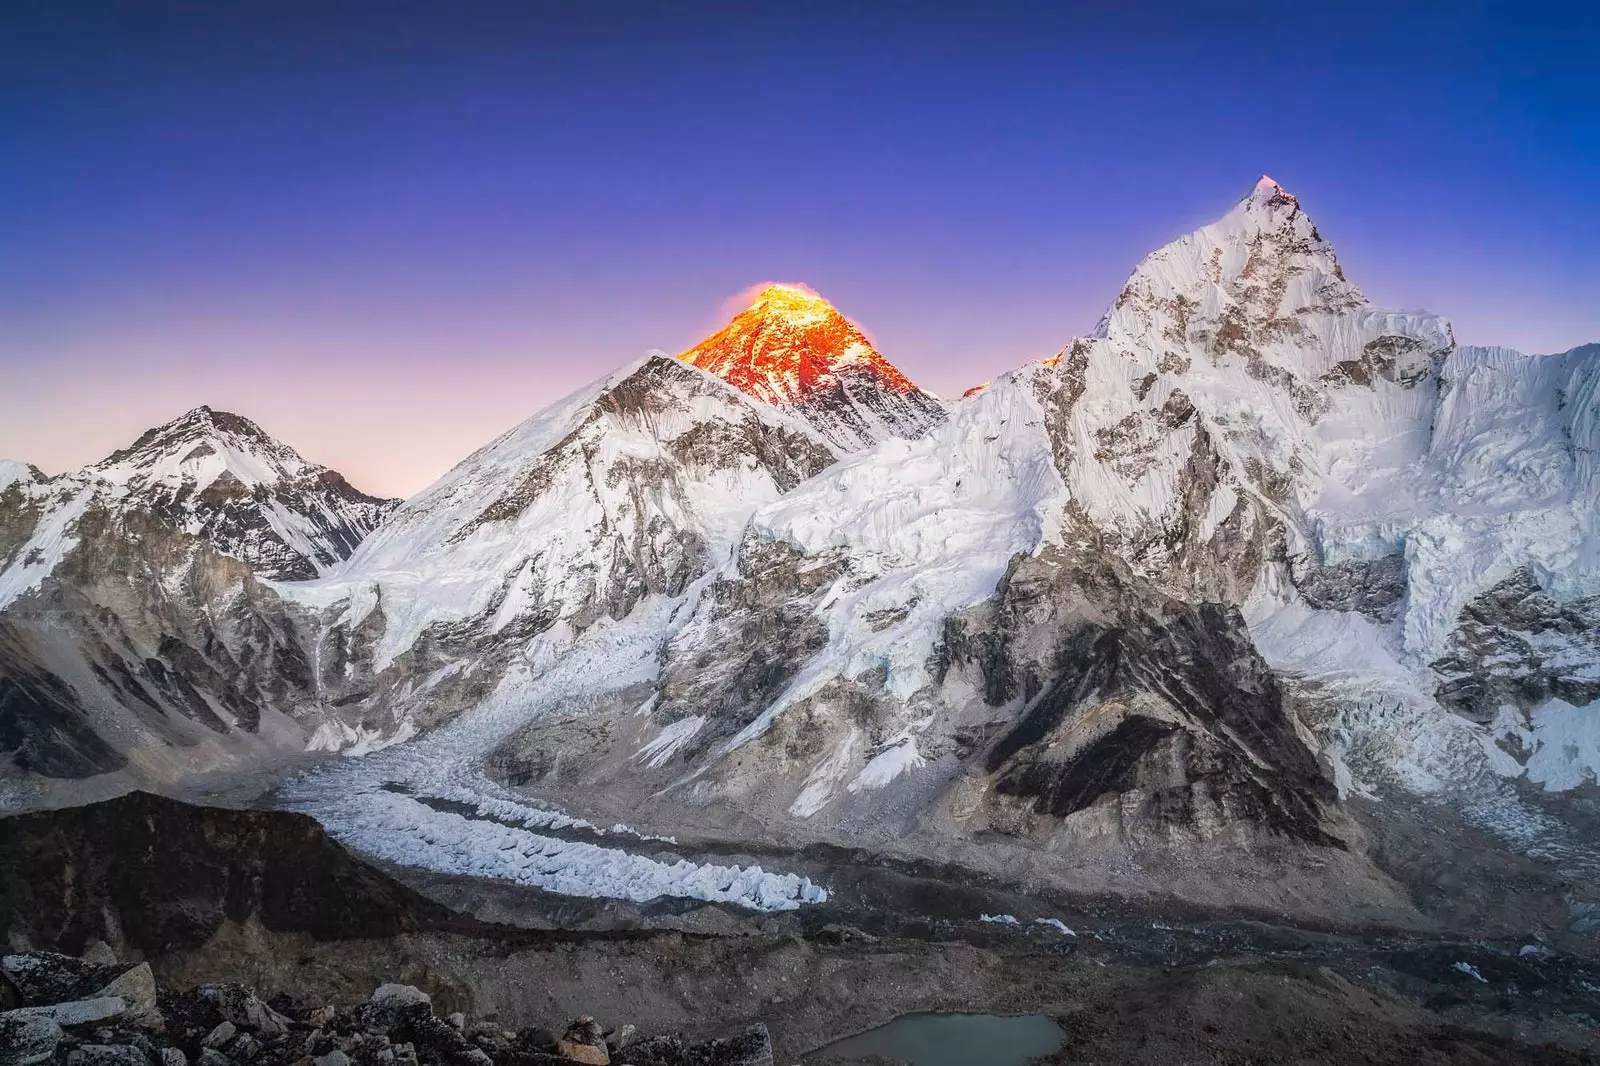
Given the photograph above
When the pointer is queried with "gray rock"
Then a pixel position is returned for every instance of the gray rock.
(624, 1036)
(245, 1047)
(584, 1041)
(210, 1056)
(171, 1056)
(27, 1039)
(748, 1047)
(458, 1020)
(224, 1032)
(99, 953)
(44, 977)
(78, 1011)
(390, 1003)
(107, 1055)
(1373, 587)
(333, 1058)
(137, 987)
(243, 1008)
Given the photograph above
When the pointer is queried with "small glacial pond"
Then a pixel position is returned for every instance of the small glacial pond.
(952, 1040)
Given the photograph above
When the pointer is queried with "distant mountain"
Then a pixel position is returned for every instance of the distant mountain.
(134, 612)
(220, 476)
(792, 349)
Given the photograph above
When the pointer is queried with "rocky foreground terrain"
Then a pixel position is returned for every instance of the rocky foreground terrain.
(97, 1011)
(143, 928)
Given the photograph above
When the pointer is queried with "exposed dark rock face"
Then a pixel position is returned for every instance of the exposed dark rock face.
(1405, 361)
(737, 657)
(154, 875)
(850, 409)
(1161, 706)
(1373, 587)
(41, 729)
(1517, 645)
(98, 664)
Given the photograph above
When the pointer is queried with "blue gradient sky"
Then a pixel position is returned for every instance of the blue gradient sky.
(388, 231)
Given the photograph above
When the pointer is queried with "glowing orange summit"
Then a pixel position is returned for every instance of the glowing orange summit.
(789, 345)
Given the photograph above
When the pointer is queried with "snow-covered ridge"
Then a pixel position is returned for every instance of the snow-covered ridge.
(630, 487)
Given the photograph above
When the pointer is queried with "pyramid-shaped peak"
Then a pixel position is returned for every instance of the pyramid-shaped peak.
(1266, 188)
(210, 442)
(1263, 262)
(789, 344)
(791, 348)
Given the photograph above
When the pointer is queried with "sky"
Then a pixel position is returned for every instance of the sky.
(389, 231)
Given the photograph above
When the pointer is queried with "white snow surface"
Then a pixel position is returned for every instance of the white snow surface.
(930, 526)
(378, 804)
(1566, 743)
(469, 544)
(12, 471)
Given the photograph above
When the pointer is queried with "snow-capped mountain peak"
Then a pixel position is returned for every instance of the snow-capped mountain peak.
(220, 476)
(198, 448)
(792, 349)
(1260, 287)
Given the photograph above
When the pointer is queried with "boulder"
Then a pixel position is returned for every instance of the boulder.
(27, 1040)
(592, 1054)
(625, 1035)
(137, 988)
(584, 1041)
(107, 1055)
(99, 953)
(78, 1011)
(219, 1037)
(44, 977)
(392, 1003)
(748, 1047)
(437, 1039)
(171, 1056)
(242, 1007)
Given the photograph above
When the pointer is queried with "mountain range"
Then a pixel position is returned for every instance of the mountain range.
(1253, 547)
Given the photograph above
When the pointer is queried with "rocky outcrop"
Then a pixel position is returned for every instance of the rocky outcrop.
(60, 1009)
(1160, 709)
(152, 875)
(130, 1022)
(1516, 645)
(223, 478)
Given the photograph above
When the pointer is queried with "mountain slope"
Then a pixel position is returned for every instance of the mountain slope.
(137, 631)
(623, 495)
(792, 349)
